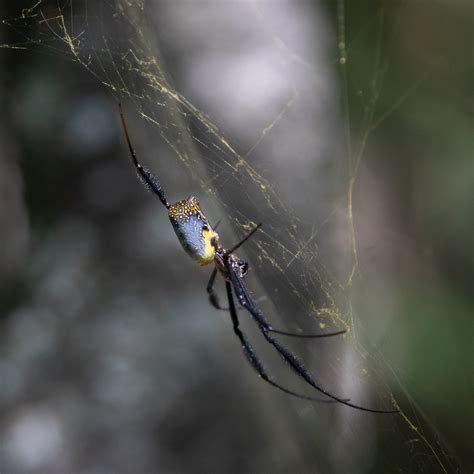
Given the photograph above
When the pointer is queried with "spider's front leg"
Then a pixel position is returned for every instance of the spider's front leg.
(148, 179)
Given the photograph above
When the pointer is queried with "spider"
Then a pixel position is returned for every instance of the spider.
(201, 242)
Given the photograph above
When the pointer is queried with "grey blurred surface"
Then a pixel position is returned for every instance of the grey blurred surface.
(111, 359)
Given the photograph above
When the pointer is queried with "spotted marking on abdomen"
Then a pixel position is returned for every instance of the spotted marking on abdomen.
(193, 230)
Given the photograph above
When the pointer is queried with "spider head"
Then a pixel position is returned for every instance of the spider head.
(239, 266)
(243, 267)
(197, 237)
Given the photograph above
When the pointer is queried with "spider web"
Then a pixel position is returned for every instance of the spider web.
(307, 259)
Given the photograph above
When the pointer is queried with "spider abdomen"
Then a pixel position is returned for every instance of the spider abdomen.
(193, 230)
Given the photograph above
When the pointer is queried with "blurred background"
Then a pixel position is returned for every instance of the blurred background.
(346, 128)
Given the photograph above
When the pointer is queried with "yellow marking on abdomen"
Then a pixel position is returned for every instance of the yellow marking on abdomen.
(209, 249)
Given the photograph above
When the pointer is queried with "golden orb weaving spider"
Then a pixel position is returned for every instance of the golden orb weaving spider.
(201, 242)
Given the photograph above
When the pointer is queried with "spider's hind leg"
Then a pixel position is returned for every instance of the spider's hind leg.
(252, 357)
(246, 301)
(294, 363)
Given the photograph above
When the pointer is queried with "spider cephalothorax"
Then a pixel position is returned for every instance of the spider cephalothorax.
(201, 242)
(239, 266)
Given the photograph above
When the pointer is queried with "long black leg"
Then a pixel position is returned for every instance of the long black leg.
(252, 356)
(244, 296)
(236, 246)
(147, 177)
(292, 360)
(213, 298)
(263, 321)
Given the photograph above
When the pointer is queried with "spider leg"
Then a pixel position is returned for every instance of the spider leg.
(213, 298)
(291, 359)
(237, 245)
(244, 297)
(215, 302)
(252, 357)
(147, 177)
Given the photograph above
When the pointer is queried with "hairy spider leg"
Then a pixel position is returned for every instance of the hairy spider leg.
(297, 366)
(243, 295)
(149, 180)
(251, 355)
(214, 300)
